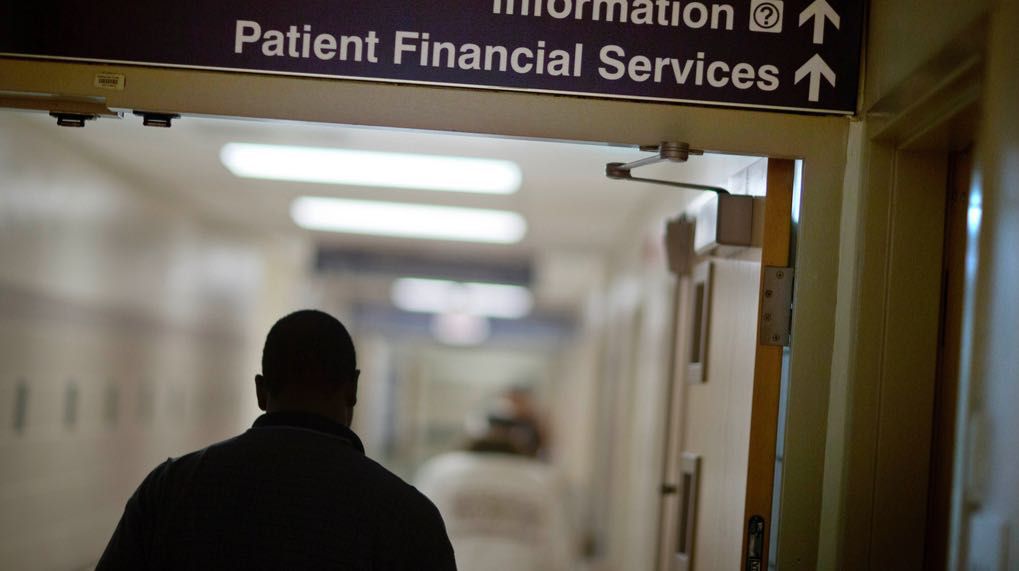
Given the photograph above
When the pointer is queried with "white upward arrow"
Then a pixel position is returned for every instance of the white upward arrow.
(815, 68)
(820, 11)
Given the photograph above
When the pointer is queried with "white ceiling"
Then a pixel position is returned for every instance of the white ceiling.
(575, 214)
(568, 202)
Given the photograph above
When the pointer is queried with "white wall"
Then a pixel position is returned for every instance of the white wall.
(612, 398)
(154, 318)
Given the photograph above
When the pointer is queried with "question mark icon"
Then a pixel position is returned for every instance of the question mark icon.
(766, 16)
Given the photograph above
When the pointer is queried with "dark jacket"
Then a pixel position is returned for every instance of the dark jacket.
(293, 492)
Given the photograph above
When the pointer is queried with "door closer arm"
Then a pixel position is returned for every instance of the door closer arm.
(667, 151)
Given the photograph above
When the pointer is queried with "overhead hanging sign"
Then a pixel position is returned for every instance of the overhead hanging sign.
(798, 55)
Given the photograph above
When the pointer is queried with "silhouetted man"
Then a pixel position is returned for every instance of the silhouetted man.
(293, 492)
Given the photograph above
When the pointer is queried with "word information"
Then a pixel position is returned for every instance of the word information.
(672, 13)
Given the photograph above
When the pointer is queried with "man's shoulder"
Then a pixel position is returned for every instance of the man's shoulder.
(171, 471)
(380, 477)
(376, 479)
(400, 488)
(187, 463)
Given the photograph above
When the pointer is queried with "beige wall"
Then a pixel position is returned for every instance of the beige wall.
(631, 324)
(985, 531)
(152, 315)
(574, 423)
(609, 398)
(903, 35)
(925, 92)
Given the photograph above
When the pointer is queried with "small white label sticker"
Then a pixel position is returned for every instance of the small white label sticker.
(113, 81)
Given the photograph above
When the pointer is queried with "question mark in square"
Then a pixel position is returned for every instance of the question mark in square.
(766, 16)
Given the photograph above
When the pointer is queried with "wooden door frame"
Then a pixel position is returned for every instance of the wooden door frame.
(764, 420)
(884, 366)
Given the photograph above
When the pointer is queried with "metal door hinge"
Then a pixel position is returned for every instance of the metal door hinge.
(776, 306)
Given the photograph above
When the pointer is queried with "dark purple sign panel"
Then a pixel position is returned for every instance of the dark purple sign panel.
(800, 55)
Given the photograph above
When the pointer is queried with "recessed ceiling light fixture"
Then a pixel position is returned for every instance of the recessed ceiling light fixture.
(371, 168)
(404, 220)
(469, 298)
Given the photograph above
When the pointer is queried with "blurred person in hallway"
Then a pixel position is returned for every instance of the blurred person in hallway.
(295, 491)
(528, 428)
(505, 510)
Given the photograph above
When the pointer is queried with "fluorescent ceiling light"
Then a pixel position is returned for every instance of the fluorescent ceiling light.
(371, 168)
(471, 298)
(403, 220)
(460, 329)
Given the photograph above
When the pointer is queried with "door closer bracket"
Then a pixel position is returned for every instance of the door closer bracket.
(671, 151)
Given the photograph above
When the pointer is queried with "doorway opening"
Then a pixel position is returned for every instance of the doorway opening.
(150, 236)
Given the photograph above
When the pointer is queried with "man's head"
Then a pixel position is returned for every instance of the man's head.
(499, 428)
(309, 365)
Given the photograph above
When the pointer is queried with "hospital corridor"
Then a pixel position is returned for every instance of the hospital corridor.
(629, 286)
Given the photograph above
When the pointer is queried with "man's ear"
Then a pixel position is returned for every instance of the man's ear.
(351, 388)
(261, 391)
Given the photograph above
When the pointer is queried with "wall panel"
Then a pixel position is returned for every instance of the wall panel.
(154, 317)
